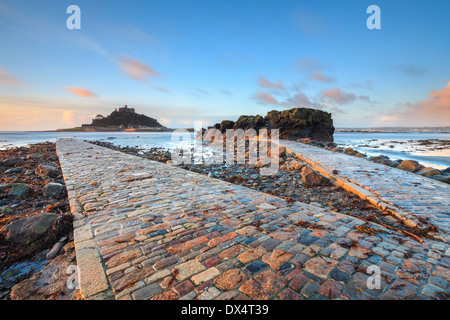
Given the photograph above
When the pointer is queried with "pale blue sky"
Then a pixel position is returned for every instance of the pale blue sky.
(180, 61)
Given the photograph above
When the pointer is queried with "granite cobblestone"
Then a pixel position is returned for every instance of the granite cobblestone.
(160, 232)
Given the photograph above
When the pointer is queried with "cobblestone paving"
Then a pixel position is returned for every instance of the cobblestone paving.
(146, 230)
(417, 197)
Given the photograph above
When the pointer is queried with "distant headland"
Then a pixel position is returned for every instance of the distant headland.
(121, 119)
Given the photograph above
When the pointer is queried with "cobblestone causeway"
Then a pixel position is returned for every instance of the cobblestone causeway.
(409, 196)
(147, 230)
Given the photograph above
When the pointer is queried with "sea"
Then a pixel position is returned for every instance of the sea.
(428, 148)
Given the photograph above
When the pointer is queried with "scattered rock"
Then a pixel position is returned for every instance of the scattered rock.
(428, 171)
(52, 190)
(312, 178)
(6, 211)
(44, 170)
(381, 159)
(4, 187)
(19, 191)
(410, 165)
(54, 251)
(14, 170)
(9, 162)
(27, 230)
(445, 179)
(34, 156)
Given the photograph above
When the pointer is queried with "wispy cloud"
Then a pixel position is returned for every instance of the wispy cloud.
(434, 111)
(136, 69)
(9, 79)
(406, 69)
(81, 92)
(311, 23)
(338, 96)
(313, 68)
(161, 89)
(300, 100)
(263, 82)
(264, 98)
(319, 76)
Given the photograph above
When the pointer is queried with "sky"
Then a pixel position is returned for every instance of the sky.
(190, 60)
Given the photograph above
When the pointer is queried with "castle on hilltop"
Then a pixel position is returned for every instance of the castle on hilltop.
(125, 109)
(123, 119)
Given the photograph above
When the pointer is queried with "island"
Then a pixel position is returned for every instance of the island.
(121, 119)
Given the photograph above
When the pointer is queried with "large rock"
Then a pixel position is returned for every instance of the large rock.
(52, 190)
(293, 124)
(410, 165)
(43, 171)
(19, 191)
(428, 171)
(9, 162)
(445, 179)
(27, 230)
(381, 159)
(312, 178)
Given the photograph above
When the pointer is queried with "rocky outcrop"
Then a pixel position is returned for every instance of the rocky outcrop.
(293, 124)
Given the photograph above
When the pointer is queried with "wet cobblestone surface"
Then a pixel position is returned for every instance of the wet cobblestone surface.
(146, 230)
(418, 198)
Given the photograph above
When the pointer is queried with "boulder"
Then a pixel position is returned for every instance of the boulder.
(52, 190)
(19, 191)
(349, 151)
(9, 162)
(428, 171)
(43, 171)
(445, 179)
(380, 159)
(312, 178)
(14, 170)
(446, 170)
(410, 165)
(27, 230)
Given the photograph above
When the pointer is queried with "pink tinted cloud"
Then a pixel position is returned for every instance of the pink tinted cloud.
(9, 79)
(135, 69)
(338, 96)
(320, 76)
(263, 82)
(81, 92)
(300, 100)
(313, 68)
(265, 98)
(433, 111)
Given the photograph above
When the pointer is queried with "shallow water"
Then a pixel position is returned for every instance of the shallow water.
(428, 148)
(402, 145)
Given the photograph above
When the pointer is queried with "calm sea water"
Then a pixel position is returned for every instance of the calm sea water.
(395, 145)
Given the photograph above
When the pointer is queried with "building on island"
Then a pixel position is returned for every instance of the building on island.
(126, 109)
